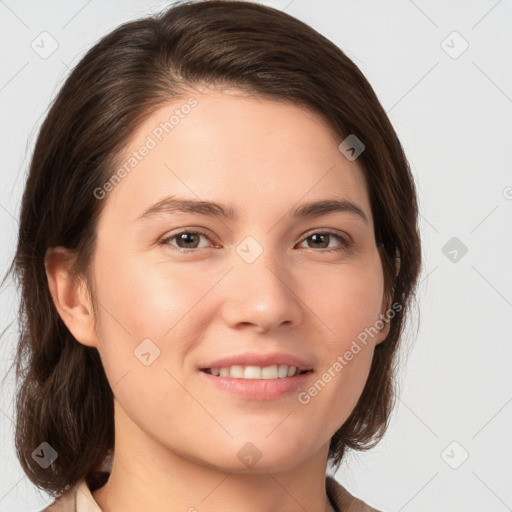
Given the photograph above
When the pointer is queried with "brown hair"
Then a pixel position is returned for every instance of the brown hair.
(64, 397)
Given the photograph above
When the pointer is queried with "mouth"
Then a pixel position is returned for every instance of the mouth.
(257, 383)
(251, 372)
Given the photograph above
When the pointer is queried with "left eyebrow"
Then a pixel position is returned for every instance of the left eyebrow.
(173, 204)
(318, 208)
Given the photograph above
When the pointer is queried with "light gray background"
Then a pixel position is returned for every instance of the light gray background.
(453, 116)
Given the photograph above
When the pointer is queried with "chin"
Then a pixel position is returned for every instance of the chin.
(261, 455)
(266, 464)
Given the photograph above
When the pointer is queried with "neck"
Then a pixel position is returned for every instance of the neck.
(147, 476)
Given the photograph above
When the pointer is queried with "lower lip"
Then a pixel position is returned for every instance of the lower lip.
(258, 389)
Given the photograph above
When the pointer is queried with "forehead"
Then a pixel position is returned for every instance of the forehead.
(231, 148)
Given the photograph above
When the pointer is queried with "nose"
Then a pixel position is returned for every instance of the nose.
(263, 294)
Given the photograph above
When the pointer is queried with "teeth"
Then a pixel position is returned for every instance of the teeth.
(235, 371)
(269, 372)
(255, 372)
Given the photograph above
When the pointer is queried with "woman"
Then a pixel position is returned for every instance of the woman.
(217, 251)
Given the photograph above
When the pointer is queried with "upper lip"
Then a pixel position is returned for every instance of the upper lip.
(259, 359)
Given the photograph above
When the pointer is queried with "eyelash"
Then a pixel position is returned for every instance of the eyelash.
(345, 243)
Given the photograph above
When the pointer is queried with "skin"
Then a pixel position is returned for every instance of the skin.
(177, 439)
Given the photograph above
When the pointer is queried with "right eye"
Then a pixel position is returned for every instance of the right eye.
(186, 240)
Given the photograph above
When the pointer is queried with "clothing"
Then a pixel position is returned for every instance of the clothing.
(79, 499)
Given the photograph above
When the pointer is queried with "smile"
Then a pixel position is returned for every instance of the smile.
(255, 372)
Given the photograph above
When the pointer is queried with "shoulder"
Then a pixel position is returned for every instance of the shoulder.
(343, 500)
(79, 499)
(76, 499)
(64, 503)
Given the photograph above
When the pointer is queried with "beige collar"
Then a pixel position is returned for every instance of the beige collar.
(80, 499)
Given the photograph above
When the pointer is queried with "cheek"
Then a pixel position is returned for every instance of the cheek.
(148, 297)
(150, 313)
(347, 300)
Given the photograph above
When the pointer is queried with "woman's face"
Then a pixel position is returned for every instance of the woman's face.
(179, 290)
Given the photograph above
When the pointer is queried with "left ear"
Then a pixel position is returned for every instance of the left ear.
(386, 302)
(384, 318)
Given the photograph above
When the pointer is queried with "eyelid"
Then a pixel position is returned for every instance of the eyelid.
(330, 231)
(345, 239)
(199, 231)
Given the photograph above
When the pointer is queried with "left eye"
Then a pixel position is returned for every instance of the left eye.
(320, 237)
(188, 240)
